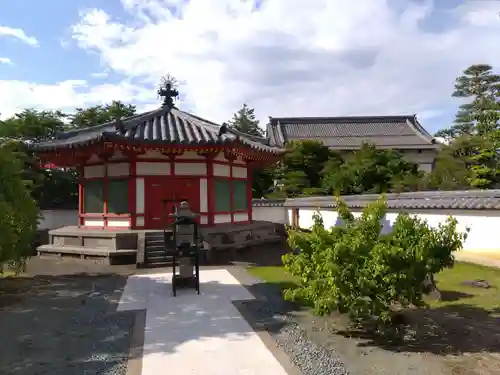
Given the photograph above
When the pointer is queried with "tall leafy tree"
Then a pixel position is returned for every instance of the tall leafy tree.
(32, 125)
(101, 114)
(49, 187)
(371, 170)
(300, 172)
(452, 169)
(18, 210)
(244, 120)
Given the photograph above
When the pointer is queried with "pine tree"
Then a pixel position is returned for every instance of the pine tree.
(244, 121)
(477, 126)
(482, 114)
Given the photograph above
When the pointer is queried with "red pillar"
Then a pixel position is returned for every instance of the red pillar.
(81, 178)
(231, 188)
(210, 190)
(249, 191)
(105, 203)
(132, 191)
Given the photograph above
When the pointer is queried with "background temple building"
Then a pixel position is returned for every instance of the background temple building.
(344, 134)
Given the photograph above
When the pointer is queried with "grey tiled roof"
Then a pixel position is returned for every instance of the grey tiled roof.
(160, 127)
(402, 132)
(267, 202)
(447, 200)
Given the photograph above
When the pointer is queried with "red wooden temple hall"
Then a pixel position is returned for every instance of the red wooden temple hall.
(135, 170)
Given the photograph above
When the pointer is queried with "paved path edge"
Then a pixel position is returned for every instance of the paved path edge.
(134, 364)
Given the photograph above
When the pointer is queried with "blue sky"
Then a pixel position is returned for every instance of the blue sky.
(56, 59)
(283, 57)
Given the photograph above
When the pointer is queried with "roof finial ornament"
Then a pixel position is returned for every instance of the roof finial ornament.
(168, 90)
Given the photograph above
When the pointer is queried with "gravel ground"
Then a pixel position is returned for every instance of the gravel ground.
(315, 350)
(455, 342)
(64, 324)
(305, 354)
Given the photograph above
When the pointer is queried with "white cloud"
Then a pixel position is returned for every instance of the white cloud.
(285, 57)
(99, 74)
(66, 95)
(5, 60)
(19, 34)
(291, 57)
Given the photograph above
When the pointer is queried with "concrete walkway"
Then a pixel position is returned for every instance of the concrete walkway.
(197, 334)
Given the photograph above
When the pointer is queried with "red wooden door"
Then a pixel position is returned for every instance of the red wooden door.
(163, 193)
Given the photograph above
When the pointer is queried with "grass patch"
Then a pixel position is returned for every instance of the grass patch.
(453, 293)
(448, 281)
(273, 275)
(7, 273)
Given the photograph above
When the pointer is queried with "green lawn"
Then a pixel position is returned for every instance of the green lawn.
(7, 274)
(448, 282)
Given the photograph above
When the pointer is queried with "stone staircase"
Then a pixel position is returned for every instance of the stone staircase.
(155, 251)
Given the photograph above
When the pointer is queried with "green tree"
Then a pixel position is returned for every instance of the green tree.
(18, 211)
(475, 136)
(99, 114)
(481, 113)
(49, 187)
(354, 268)
(452, 167)
(371, 170)
(32, 125)
(244, 121)
(263, 181)
(300, 171)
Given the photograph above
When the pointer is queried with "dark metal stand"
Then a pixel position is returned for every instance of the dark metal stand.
(179, 281)
(185, 246)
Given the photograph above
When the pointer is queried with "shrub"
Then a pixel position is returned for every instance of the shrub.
(354, 268)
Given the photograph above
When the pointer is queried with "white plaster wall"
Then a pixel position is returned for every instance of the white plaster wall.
(220, 157)
(239, 172)
(94, 159)
(152, 168)
(93, 222)
(424, 159)
(118, 155)
(203, 195)
(222, 218)
(222, 170)
(483, 237)
(118, 169)
(119, 222)
(93, 171)
(190, 169)
(53, 219)
(139, 195)
(240, 217)
(272, 214)
(239, 160)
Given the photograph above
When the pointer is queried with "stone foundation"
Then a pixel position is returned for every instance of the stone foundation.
(129, 245)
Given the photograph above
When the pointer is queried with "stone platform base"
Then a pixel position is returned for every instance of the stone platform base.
(98, 245)
(125, 246)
